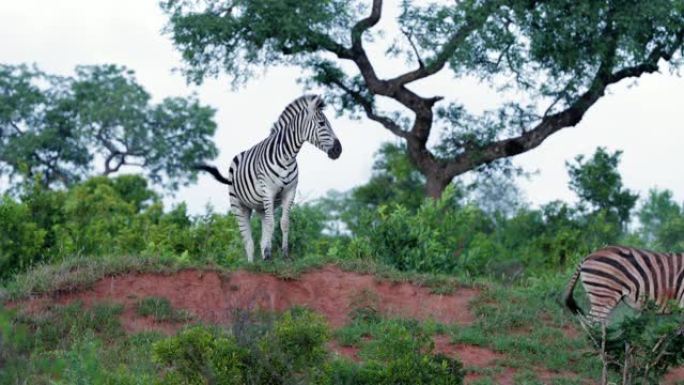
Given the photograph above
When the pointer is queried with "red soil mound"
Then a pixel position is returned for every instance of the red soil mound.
(212, 297)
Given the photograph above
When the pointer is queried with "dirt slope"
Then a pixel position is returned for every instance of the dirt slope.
(213, 298)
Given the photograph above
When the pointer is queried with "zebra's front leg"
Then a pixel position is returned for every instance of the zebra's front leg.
(243, 214)
(267, 220)
(288, 198)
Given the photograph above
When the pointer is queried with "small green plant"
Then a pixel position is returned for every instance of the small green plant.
(161, 310)
(262, 349)
(643, 346)
(63, 325)
(199, 356)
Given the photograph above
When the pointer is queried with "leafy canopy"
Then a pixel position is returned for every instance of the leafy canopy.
(597, 181)
(548, 62)
(61, 129)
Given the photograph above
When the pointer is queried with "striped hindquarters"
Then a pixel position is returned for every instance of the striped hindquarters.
(637, 276)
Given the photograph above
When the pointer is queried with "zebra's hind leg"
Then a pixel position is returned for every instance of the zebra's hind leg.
(287, 199)
(243, 214)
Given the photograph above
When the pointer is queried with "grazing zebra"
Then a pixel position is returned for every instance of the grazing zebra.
(614, 273)
(265, 176)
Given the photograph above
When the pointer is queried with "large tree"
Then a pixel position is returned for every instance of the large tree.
(554, 59)
(60, 129)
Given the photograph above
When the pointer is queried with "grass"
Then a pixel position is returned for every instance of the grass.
(78, 272)
(526, 325)
(72, 344)
(523, 322)
(161, 310)
(81, 272)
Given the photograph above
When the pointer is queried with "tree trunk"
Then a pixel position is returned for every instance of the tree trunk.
(435, 185)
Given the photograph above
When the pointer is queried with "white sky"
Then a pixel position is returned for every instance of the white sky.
(645, 121)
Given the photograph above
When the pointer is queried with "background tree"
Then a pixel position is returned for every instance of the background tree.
(61, 129)
(394, 180)
(550, 61)
(598, 183)
(662, 221)
(656, 212)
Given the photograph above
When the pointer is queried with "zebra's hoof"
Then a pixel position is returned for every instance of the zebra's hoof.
(267, 254)
(286, 255)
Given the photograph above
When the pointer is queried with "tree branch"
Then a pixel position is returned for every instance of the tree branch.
(439, 60)
(16, 128)
(108, 168)
(413, 46)
(365, 24)
(367, 106)
(566, 118)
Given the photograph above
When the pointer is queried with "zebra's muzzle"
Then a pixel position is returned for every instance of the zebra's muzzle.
(335, 150)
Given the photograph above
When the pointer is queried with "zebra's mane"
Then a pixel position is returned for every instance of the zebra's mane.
(293, 110)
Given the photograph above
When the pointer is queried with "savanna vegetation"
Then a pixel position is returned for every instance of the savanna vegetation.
(521, 256)
(70, 215)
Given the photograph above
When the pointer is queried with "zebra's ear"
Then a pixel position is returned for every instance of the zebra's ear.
(317, 103)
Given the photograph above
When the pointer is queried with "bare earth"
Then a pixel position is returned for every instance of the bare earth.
(213, 298)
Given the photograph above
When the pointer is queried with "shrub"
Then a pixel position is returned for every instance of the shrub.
(430, 239)
(200, 356)
(287, 350)
(21, 240)
(160, 309)
(399, 353)
(642, 347)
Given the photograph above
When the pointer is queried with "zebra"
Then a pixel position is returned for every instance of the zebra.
(265, 176)
(614, 273)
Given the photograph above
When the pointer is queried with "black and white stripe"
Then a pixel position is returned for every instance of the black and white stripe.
(636, 276)
(265, 176)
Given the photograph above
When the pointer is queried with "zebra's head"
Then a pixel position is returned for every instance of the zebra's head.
(318, 130)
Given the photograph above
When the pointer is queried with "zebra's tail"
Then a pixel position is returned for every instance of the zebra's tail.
(213, 171)
(568, 299)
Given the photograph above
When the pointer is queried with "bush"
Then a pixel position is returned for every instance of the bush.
(287, 350)
(643, 347)
(399, 353)
(200, 356)
(431, 239)
(109, 216)
(21, 240)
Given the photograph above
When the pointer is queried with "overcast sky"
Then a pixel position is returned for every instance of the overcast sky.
(644, 119)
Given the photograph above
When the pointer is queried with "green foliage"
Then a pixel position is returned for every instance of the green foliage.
(55, 128)
(395, 180)
(598, 183)
(72, 344)
(113, 216)
(285, 351)
(300, 335)
(306, 234)
(643, 347)
(15, 345)
(550, 61)
(21, 239)
(525, 323)
(160, 309)
(662, 221)
(70, 323)
(239, 35)
(200, 356)
(426, 240)
(398, 352)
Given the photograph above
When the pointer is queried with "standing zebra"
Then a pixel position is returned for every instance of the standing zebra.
(637, 276)
(265, 176)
